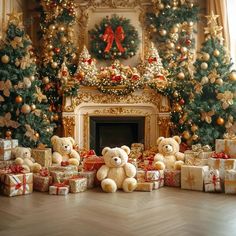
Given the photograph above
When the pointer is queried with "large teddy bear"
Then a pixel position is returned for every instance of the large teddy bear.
(63, 150)
(23, 158)
(168, 155)
(117, 173)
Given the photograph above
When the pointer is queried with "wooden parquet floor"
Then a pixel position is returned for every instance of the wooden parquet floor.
(167, 211)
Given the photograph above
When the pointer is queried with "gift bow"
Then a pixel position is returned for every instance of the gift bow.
(109, 36)
(199, 148)
(44, 172)
(230, 136)
(220, 155)
(16, 169)
(65, 163)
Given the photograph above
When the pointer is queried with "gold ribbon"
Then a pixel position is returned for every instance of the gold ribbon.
(190, 180)
(230, 136)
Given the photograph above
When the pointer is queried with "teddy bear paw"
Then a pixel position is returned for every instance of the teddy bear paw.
(129, 185)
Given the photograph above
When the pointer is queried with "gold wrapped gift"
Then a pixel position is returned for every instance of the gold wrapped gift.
(228, 146)
(230, 181)
(43, 156)
(144, 187)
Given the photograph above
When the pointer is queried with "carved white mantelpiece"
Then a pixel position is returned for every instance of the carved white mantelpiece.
(90, 102)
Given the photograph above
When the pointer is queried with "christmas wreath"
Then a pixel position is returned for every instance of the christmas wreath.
(119, 80)
(114, 38)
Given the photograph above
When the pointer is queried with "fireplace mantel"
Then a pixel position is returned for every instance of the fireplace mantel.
(90, 102)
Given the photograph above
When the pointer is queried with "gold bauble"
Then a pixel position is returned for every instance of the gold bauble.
(162, 32)
(195, 137)
(175, 94)
(33, 107)
(51, 53)
(170, 45)
(220, 121)
(205, 57)
(204, 66)
(25, 109)
(160, 6)
(52, 27)
(190, 23)
(219, 81)
(8, 134)
(216, 64)
(178, 108)
(154, 30)
(181, 75)
(204, 80)
(46, 80)
(49, 47)
(54, 65)
(183, 50)
(186, 135)
(32, 78)
(216, 53)
(18, 99)
(194, 128)
(174, 29)
(232, 76)
(61, 28)
(37, 135)
(63, 39)
(56, 117)
(5, 59)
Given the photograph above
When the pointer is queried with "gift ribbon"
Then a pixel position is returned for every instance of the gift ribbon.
(199, 148)
(44, 172)
(152, 59)
(66, 182)
(65, 163)
(19, 185)
(220, 155)
(109, 36)
(16, 169)
(230, 136)
(58, 186)
(215, 180)
(190, 180)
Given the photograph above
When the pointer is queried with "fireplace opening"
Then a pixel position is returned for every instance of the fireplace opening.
(115, 131)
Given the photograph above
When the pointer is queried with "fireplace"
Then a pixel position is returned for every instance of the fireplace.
(115, 131)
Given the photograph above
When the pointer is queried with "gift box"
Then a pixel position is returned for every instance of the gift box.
(195, 161)
(17, 184)
(199, 151)
(59, 177)
(227, 146)
(153, 176)
(93, 163)
(137, 146)
(192, 177)
(43, 156)
(230, 181)
(90, 176)
(172, 178)
(42, 181)
(77, 184)
(212, 181)
(6, 148)
(144, 187)
(59, 189)
(62, 168)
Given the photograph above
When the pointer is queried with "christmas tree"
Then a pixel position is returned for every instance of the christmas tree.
(23, 113)
(58, 51)
(213, 109)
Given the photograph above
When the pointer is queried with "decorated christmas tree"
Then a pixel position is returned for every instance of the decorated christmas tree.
(23, 113)
(87, 72)
(58, 52)
(171, 27)
(213, 110)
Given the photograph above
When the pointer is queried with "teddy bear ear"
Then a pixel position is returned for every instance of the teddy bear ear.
(71, 140)
(54, 139)
(126, 149)
(105, 150)
(177, 139)
(159, 140)
(29, 149)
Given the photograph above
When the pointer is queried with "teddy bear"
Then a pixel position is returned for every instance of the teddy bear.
(23, 158)
(168, 155)
(117, 173)
(63, 150)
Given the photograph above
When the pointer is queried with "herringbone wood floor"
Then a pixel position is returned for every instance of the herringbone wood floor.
(167, 211)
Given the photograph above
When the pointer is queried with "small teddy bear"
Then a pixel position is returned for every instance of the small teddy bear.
(23, 158)
(168, 155)
(117, 173)
(64, 151)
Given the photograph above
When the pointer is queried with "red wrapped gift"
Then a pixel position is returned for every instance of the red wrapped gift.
(172, 178)
(93, 163)
(59, 189)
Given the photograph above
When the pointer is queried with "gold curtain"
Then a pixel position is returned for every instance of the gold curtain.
(219, 7)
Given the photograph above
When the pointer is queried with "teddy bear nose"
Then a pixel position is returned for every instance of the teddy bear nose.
(115, 159)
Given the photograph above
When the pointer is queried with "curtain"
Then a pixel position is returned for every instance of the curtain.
(219, 7)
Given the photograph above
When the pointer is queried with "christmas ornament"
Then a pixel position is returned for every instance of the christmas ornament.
(32, 78)
(232, 76)
(178, 108)
(8, 134)
(204, 66)
(45, 80)
(33, 107)
(181, 101)
(56, 117)
(19, 99)
(226, 98)
(206, 57)
(25, 109)
(163, 32)
(184, 50)
(181, 75)
(52, 27)
(170, 45)
(216, 53)
(219, 82)
(63, 39)
(39, 95)
(54, 65)
(207, 116)
(194, 128)
(61, 28)
(5, 59)
(204, 80)
(57, 50)
(5, 87)
(175, 94)
(6, 121)
(186, 135)
(220, 121)
(195, 137)
(27, 82)
(31, 133)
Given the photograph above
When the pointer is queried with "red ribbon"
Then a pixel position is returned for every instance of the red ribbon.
(16, 169)
(59, 185)
(152, 59)
(89, 61)
(220, 155)
(109, 36)
(44, 172)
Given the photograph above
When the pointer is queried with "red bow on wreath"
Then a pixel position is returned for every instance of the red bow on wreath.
(109, 36)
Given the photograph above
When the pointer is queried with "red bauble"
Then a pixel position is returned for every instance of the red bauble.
(181, 101)
(57, 50)
(188, 42)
